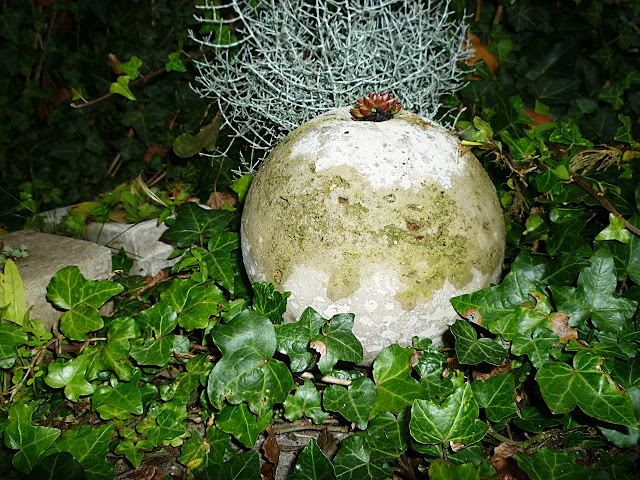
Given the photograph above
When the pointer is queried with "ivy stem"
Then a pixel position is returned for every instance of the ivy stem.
(327, 379)
(603, 201)
(139, 80)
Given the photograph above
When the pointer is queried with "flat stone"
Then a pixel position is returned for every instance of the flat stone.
(141, 241)
(48, 254)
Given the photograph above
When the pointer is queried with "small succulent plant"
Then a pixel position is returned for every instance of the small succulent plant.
(376, 107)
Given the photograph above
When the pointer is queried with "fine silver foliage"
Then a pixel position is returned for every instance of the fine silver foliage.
(275, 64)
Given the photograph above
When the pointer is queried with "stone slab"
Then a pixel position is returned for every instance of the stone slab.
(141, 241)
(48, 254)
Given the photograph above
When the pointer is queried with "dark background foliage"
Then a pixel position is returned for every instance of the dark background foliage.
(54, 52)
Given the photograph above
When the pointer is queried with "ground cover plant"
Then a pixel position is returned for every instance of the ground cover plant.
(540, 377)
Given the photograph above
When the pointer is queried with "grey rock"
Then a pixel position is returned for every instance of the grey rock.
(48, 254)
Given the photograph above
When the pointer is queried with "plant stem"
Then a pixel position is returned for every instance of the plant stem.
(603, 201)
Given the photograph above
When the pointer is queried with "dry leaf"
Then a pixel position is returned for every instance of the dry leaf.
(504, 461)
(504, 367)
(217, 199)
(320, 347)
(481, 53)
(153, 149)
(537, 118)
(148, 472)
(328, 443)
(270, 446)
(113, 62)
(415, 358)
(560, 325)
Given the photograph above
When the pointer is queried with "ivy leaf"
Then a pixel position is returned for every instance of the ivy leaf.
(294, 338)
(397, 389)
(594, 297)
(121, 87)
(80, 320)
(131, 67)
(58, 466)
(30, 441)
(312, 464)
(118, 402)
(194, 451)
(246, 371)
(337, 342)
(194, 224)
(495, 395)
(114, 354)
(193, 302)
(549, 464)
(306, 401)
(268, 301)
(89, 446)
(353, 404)
(536, 346)
(175, 63)
(11, 336)
(218, 258)
(187, 145)
(489, 305)
(241, 423)
(169, 421)
(624, 133)
(70, 290)
(615, 231)
(240, 467)
(627, 257)
(353, 462)
(473, 351)
(219, 448)
(12, 296)
(157, 324)
(69, 374)
(440, 469)
(455, 420)
(134, 451)
(586, 385)
(387, 436)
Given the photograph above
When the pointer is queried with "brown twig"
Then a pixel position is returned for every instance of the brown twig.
(603, 201)
(139, 80)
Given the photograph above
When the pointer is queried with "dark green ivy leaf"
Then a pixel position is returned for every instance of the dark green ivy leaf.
(312, 464)
(195, 224)
(337, 342)
(31, 442)
(89, 446)
(268, 301)
(354, 403)
(240, 467)
(397, 389)
(246, 371)
(58, 466)
(294, 338)
(455, 420)
(586, 385)
(549, 464)
(495, 395)
(306, 401)
(594, 297)
(473, 351)
(353, 462)
(241, 423)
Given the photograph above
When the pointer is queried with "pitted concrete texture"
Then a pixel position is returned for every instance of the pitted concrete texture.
(48, 254)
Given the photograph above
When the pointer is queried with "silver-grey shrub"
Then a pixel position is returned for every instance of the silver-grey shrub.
(290, 60)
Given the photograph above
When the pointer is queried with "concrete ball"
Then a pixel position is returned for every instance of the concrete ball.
(385, 220)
